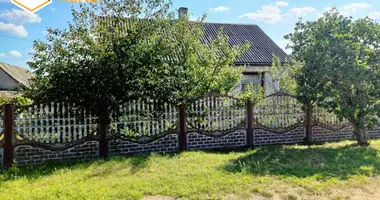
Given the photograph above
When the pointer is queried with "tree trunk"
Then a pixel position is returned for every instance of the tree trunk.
(361, 135)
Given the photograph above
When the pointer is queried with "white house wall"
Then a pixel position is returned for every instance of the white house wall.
(270, 86)
(6, 82)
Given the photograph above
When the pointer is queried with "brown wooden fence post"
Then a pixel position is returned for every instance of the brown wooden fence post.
(182, 128)
(309, 123)
(249, 123)
(103, 141)
(8, 135)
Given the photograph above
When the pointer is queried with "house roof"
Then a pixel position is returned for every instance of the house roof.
(19, 74)
(262, 46)
(261, 51)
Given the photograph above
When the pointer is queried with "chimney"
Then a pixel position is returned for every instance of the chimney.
(182, 11)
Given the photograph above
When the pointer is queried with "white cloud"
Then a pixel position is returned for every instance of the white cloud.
(351, 8)
(301, 11)
(374, 15)
(325, 9)
(2, 55)
(219, 9)
(281, 3)
(44, 33)
(15, 53)
(31, 51)
(16, 16)
(319, 15)
(282, 44)
(268, 13)
(18, 30)
(194, 18)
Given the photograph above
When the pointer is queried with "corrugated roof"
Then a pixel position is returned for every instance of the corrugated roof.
(262, 50)
(19, 74)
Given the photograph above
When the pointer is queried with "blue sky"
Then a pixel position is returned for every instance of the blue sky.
(276, 18)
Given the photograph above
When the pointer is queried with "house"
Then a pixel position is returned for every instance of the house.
(12, 77)
(257, 58)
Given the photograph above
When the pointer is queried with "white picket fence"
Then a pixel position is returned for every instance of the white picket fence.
(145, 118)
(53, 123)
(278, 112)
(322, 117)
(59, 123)
(216, 113)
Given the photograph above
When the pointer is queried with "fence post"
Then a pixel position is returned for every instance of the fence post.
(8, 135)
(309, 123)
(182, 128)
(249, 123)
(103, 142)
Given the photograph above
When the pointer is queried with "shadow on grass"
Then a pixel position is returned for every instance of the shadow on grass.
(112, 165)
(324, 162)
(102, 167)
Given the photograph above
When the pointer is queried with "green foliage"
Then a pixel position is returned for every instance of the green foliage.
(17, 100)
(252, 93)
(309, 172)
(3, 101)
(98, 63)
(283, 76)
(20, 100)
(340, 67)
(200, 67)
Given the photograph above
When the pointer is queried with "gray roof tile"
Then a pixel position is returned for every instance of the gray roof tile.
(19, 74)
(262, 50)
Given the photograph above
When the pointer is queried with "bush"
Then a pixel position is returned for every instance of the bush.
(17, 100)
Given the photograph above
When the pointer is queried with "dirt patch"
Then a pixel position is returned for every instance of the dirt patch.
(158, 197)
(362, 195)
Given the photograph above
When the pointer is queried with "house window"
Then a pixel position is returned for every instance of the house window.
(252, 78)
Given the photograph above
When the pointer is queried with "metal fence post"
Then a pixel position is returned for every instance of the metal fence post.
(249, 123)
(8, 135)
(182, 128)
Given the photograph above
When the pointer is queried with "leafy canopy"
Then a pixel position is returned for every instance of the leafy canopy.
(118, 51)
(340, 67)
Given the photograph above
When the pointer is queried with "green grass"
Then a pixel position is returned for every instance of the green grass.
(330, 171)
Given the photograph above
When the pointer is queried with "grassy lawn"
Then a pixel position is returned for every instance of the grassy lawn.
(331, 171)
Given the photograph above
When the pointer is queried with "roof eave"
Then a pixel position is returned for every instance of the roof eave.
(261, 64)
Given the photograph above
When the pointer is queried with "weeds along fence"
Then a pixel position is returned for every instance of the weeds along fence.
(37, 134)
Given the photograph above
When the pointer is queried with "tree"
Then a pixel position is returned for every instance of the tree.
(118, 51)
(282, 76)
(15, 99)
(340, 68)
(198, 66)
